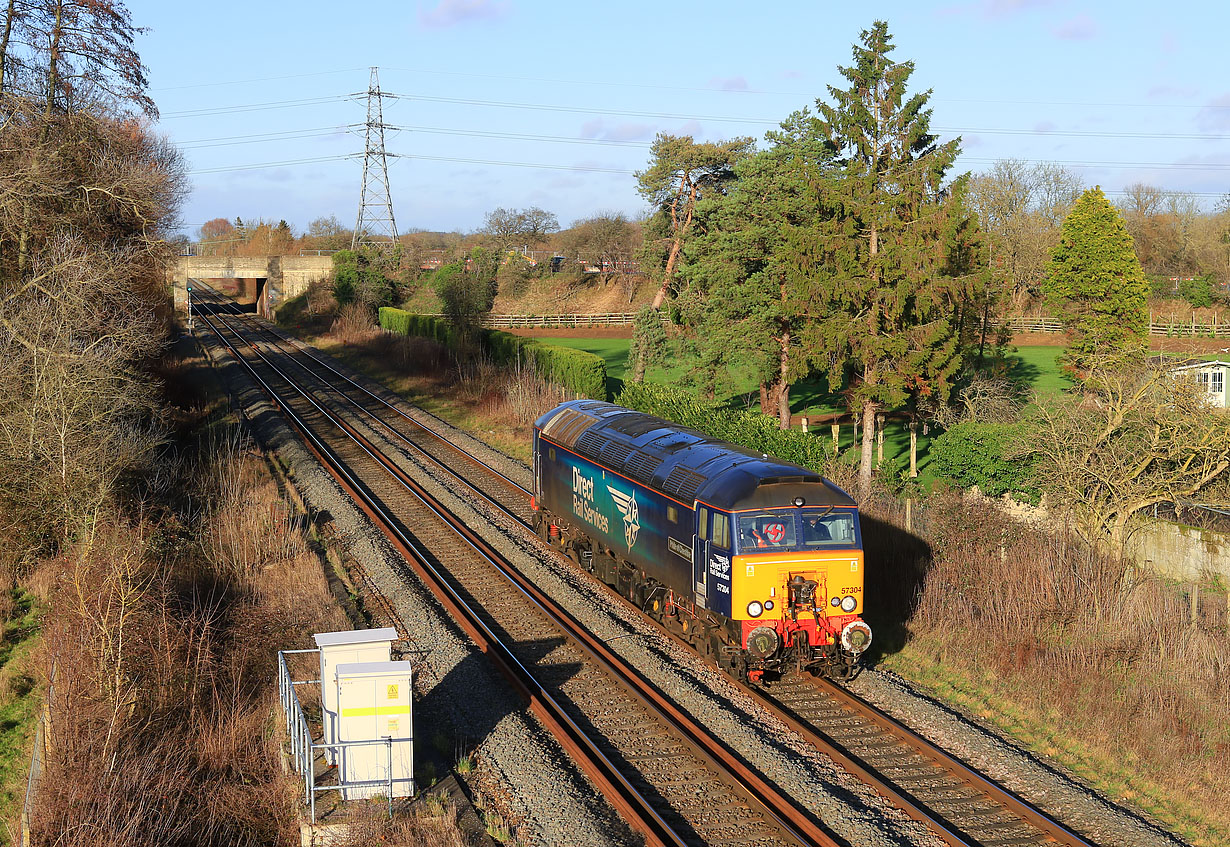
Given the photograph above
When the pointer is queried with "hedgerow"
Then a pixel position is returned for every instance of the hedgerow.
(982, 454)
(580, 372)
(746, 428)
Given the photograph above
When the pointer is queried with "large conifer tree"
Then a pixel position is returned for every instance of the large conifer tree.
(737, 307)
(1095, 283)
(869, 275)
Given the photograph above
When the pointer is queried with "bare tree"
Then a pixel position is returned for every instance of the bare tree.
(1021, 208)
(1137, 437)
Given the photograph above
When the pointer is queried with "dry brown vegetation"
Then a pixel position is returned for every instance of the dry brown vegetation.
(161, 635)
(1083, 656)
(502, 402)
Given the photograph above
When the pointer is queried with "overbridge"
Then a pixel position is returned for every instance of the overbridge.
(264, 282)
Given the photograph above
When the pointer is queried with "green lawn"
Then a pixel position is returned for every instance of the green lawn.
(1034, 367)
(19, 701)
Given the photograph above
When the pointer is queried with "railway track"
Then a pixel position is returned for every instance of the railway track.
(667, 776)
(959, 805)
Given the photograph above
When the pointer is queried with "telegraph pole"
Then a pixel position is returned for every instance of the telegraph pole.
(375, 202)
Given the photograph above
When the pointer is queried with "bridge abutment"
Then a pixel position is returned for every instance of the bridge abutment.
(276, 278)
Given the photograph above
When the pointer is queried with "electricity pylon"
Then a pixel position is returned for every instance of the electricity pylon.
(375, 202)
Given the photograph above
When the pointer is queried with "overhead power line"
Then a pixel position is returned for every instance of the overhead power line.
(253, 107)
(262, 165)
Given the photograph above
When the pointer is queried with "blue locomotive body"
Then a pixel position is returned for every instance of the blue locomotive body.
(757, 561)
(645, 527)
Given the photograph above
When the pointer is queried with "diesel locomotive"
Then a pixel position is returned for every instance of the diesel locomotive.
(757, 562)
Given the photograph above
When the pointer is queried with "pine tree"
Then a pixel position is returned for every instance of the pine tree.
(869, 275)
(737, 304)
(1095, 283)
(649, 342)
(681, 173)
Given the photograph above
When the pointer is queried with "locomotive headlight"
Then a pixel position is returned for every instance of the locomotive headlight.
(848, 603)
(768, 604)
(754, 609)
(835, 602)
(856, 637)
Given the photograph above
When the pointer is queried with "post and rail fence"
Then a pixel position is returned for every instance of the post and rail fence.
(1158, 325)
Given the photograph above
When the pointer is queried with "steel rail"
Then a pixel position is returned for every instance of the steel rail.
(899, 797)
(780, 807)
(1017, 805)
(622, 795)
(442, 439)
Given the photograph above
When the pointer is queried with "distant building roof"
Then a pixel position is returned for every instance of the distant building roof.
(1198, 365)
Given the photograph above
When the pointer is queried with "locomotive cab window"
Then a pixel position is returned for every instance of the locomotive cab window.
(702, 523)
(828, 528)
(767, 530)
(721, 531)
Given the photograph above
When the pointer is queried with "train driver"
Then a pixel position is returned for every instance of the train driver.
(814, 530)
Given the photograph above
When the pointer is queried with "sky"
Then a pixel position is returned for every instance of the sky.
(518, 103)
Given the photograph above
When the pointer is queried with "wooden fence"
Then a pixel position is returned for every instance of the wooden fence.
(1158, 325)
(560, 321)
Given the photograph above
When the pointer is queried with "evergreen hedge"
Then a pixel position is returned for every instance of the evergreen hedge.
(580, 372)
(984, 454)
(752, 430)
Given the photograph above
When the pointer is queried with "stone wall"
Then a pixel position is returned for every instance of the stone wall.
(1172, 550)
(1180, 552)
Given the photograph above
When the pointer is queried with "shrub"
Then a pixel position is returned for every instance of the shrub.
(1197, 291)
(980, 454)
(578, 371)
(752, 430)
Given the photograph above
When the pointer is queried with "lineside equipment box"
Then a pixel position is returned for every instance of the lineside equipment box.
(374, 704)
(356, 645)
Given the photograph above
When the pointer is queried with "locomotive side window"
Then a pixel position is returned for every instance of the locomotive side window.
(702, 523)
(721, 531)
(552, 454)
(672, 514)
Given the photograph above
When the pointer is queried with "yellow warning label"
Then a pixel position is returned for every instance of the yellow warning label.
(392, 692)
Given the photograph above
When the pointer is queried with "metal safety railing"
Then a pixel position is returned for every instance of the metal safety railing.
(304, 747)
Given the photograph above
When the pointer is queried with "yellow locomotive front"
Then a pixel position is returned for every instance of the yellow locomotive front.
(797, 589)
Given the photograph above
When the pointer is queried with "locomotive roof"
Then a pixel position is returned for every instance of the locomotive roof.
(681, 462)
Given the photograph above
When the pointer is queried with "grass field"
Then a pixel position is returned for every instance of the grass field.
(1034, 367)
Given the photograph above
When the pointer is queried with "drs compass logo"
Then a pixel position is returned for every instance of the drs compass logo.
(626, 503)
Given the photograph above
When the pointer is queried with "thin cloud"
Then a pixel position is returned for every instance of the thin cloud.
(992, 9)
(732, 83)
(448, 13)
(598, 129)
(1215, 116)
(1045, 126)
(1078, 28)
(1171, 92)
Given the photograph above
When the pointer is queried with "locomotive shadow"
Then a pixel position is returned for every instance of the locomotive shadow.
(897, 562)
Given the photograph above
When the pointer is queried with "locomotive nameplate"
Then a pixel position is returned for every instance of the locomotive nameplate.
(679, 548)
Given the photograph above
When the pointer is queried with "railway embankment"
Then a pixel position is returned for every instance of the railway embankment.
(1096, 670)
